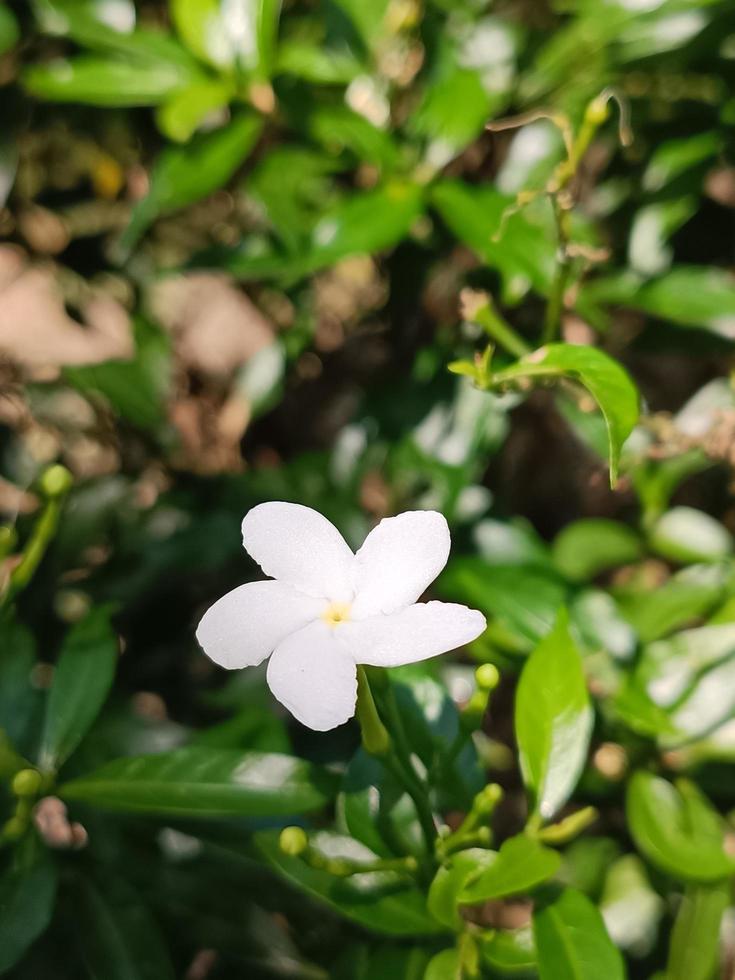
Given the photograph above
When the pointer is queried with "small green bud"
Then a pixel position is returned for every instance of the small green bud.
(293, 841)
(598, 111)
(27, 782)
(568, 828)
(487, 799)
(56, 481)
(487, 677)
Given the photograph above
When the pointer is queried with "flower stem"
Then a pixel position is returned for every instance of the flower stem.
(501, 332)
(414, 787)
(393, 752)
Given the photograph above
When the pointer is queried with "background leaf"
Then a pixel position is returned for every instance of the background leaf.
(82, 681)
(553, 720)
(571, 941)
(206, 782)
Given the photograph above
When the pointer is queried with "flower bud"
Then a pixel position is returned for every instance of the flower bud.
(487, 677)
(293, 841)
(27, 782)
(56, 481)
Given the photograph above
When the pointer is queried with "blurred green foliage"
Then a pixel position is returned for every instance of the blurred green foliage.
(471, 256)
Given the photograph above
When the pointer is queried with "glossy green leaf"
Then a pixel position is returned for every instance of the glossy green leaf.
(684, 534)
(105, 81)
(572, 942)
(604, 378)
(183, 175)
(451, 880)
(685, 597)
(117, 934)
(668, 668)
(27, 899)
(553, 720)
(199, 782)
(383, 902)
(524, 600)
(589, 546)
(82, 680)
(181, 115)
(694, 948)
(510, 952)
(688, 296)
(599, 624)
(630, 907)
(520, 865)
(226, 34)
(678, 832)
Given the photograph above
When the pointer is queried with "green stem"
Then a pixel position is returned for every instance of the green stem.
(555, 305)
(55, 484)
(397, 759)
(501, 332)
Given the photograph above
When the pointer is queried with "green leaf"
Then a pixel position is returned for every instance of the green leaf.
(450, 881)
(117, 935)
(183, 175)
(446, 965)
(524, 600)
(686, 535)
(677, 831)
(317, 64)
(27, 899)
(82, 680)
(694, 950)
(383, 902)
(669, 668)
(589, 546)
(674, 157)
(20, 700)
(510, 952)
(553, 720)
(199, 782)
(572, 942)
(181, 115)
(227, 34)
(520, 865)
(364, 224)
(509, 241)
(607, 382)
(105, 81)
(9, 30)
(376, 811)
(688, 296)
(686, 596)
(630, 907)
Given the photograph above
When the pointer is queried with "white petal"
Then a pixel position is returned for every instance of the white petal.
(399, 559)
(313, 675)
(247, 624)
(417, 633)
(297, 545)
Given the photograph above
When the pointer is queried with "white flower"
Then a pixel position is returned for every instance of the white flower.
(328, 610)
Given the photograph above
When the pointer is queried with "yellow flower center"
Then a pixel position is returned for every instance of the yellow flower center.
(336, 612)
